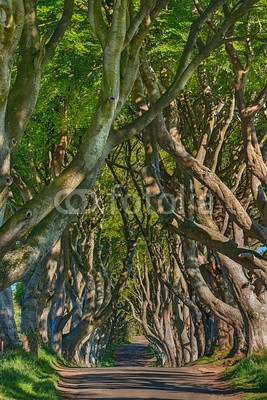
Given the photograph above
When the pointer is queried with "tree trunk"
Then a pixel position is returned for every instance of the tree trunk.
(30, 323)
(73, 342)
(43, 324)
(8, 329)
(252, 302)
(222, 310)
(193, 342)
(55, 318)
(224, 335)
(38, 293)
(258, 328)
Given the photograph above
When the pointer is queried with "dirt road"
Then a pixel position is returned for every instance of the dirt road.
(132, 379)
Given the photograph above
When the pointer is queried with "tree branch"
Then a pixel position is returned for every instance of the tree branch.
(59, 32)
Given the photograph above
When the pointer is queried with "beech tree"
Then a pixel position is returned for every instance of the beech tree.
(202, 181)
(121, 38)
(146, 101)
(19, 31)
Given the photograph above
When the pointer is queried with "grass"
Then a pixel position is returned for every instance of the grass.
(218, 357)
(25, 377)
(155, 360)
(249, 376)
(108, 358)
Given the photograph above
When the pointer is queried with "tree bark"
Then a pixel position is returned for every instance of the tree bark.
(8, 329)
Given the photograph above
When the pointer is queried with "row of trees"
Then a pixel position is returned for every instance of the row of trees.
(133, 174)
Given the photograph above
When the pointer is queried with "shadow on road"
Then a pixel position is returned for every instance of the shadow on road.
(132, 378)
(144, 383)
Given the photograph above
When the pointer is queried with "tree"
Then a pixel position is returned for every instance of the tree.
(131, 90)
(121, 47)
(19, 95)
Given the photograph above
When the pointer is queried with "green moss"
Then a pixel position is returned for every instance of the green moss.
(24, 377)
(249, 376)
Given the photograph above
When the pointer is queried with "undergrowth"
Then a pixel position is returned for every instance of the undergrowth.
(155, 362)
(108, 357)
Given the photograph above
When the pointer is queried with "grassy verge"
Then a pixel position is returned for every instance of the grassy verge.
(24, 377)
(218, 357)
(249, 376)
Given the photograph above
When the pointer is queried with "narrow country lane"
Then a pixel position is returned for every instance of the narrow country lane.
(132, 378)
(134, 354)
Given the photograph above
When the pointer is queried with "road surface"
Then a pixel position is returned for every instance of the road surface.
(132, 379)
